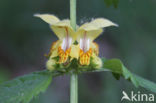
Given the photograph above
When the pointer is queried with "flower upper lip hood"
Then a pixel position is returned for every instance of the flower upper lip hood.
(94, 28)
(59, 27)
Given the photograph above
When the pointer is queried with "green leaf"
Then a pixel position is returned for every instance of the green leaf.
(146, 83)
(117, 76)
(118, 69)
(23, 89)
(114, 65)
(112, 2)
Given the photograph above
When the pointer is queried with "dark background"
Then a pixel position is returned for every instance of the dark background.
(24, 40)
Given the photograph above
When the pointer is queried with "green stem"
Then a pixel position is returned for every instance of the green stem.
(74, 77)
(74, 88)
(73, 14)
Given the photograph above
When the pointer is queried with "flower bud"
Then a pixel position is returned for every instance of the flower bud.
(97, 61)
(50, 65)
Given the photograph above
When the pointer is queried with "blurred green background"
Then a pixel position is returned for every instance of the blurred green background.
(24, 40)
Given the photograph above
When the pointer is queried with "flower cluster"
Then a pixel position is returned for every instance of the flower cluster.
(72, 44)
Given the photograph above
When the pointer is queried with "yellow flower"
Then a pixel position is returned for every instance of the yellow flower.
(86, 51)
(65, 33)
(86, 34)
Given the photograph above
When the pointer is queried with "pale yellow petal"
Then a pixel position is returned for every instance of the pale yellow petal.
(54, 49)
(94, 28)
(74, 53)
(95, 48)
(54, 53)
(63, 23)
(90, 34)
(62, 29)
(48, 18)
(97, 24)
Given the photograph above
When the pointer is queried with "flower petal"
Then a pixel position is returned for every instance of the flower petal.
(54, 49)
(95, 48)
(62, 29)
(94, 28)
(96, 24)
(74, 53)
(48, 18)
(92, 34)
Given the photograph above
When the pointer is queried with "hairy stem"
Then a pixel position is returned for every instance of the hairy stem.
(74, 77)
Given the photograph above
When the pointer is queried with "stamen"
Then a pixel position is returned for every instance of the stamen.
(66, 41)
(85, 42)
